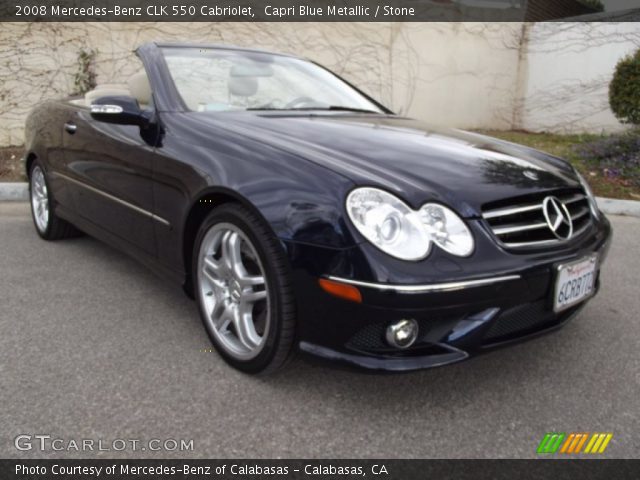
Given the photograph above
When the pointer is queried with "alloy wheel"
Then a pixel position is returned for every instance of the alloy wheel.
(233, 291)
(39, 199)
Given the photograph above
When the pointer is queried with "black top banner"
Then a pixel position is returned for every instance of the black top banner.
(310, 11)
(319, 469)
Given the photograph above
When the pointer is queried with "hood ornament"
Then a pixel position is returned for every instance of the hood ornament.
(558, 218)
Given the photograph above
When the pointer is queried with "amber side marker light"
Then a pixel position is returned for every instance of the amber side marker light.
(341, 290)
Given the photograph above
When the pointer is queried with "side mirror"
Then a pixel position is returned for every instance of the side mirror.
(120, 110)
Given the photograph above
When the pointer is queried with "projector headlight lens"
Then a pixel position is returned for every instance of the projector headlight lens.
(388, 223)
(446, 229)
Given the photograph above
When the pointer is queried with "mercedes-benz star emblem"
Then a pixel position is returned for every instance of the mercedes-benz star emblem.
(558, 218)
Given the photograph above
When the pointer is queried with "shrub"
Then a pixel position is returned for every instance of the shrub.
(624, 90)
(617, 156)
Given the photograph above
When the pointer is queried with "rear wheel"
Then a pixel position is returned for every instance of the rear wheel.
(48, 225)
(243, 290)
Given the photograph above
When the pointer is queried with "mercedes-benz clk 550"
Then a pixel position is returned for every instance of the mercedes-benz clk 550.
(302, 215)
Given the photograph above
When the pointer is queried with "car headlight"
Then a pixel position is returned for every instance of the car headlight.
(446, 229)
(592, 199)
(388, 223)
(396, 229)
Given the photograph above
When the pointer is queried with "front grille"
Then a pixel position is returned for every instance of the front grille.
(521, 223)
(520, 320)
(524, 320)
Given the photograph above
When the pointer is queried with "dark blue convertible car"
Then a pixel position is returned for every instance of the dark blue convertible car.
(302, 215)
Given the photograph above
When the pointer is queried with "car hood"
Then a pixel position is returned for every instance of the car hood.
(416, 161)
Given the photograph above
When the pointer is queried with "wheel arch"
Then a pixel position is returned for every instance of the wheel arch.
(200, 208)
(29, 158)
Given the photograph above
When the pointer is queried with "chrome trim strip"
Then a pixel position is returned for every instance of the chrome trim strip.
(510, 211)
(552, 241)
(115, 199)
(574, 198)
(434, 287)
(581, 230)
(503, 212)
(580, 213)
(519, 228)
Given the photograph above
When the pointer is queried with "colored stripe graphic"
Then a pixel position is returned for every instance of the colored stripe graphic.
(553, 442)
(605, 443)
(543, 443)
(598, 443)
(567, 443)
(574, 443)
(581, 443)
(591, 442)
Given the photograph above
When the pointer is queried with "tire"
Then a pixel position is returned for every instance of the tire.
(48, 225)
(243, 288)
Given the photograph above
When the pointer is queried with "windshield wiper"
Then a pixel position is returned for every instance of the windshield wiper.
(351, 109)
(306, 109)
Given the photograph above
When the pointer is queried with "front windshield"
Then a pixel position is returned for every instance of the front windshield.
(223, 80)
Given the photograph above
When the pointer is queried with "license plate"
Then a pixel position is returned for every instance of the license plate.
(575, 282)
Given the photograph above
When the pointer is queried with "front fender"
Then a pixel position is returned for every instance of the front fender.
(300, 200)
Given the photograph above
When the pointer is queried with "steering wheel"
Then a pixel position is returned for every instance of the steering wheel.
(301, 102)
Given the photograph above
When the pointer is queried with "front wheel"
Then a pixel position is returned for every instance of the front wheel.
(243, 290)
(48, 225)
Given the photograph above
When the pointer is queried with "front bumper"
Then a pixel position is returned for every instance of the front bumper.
(457, 318)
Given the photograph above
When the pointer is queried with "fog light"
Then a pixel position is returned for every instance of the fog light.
(402, 333)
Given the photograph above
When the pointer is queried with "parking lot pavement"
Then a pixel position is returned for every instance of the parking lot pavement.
(94, 346)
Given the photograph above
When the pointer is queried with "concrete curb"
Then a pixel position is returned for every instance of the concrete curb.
(19, 192)
(612, 206)
(14, 191)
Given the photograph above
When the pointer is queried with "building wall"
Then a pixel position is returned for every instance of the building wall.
(438, 72)
(545, 76)
(569, 67)
(460, 74)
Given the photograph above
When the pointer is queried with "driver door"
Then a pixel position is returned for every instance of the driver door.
(109, 168)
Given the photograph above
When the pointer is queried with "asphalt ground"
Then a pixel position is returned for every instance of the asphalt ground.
(94, 346)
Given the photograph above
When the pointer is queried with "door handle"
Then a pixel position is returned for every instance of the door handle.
(70, 127)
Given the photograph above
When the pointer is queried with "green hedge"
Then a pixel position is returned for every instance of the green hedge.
(624, 90)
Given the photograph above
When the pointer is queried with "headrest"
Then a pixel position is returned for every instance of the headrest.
(139, 86)
(243, 86)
